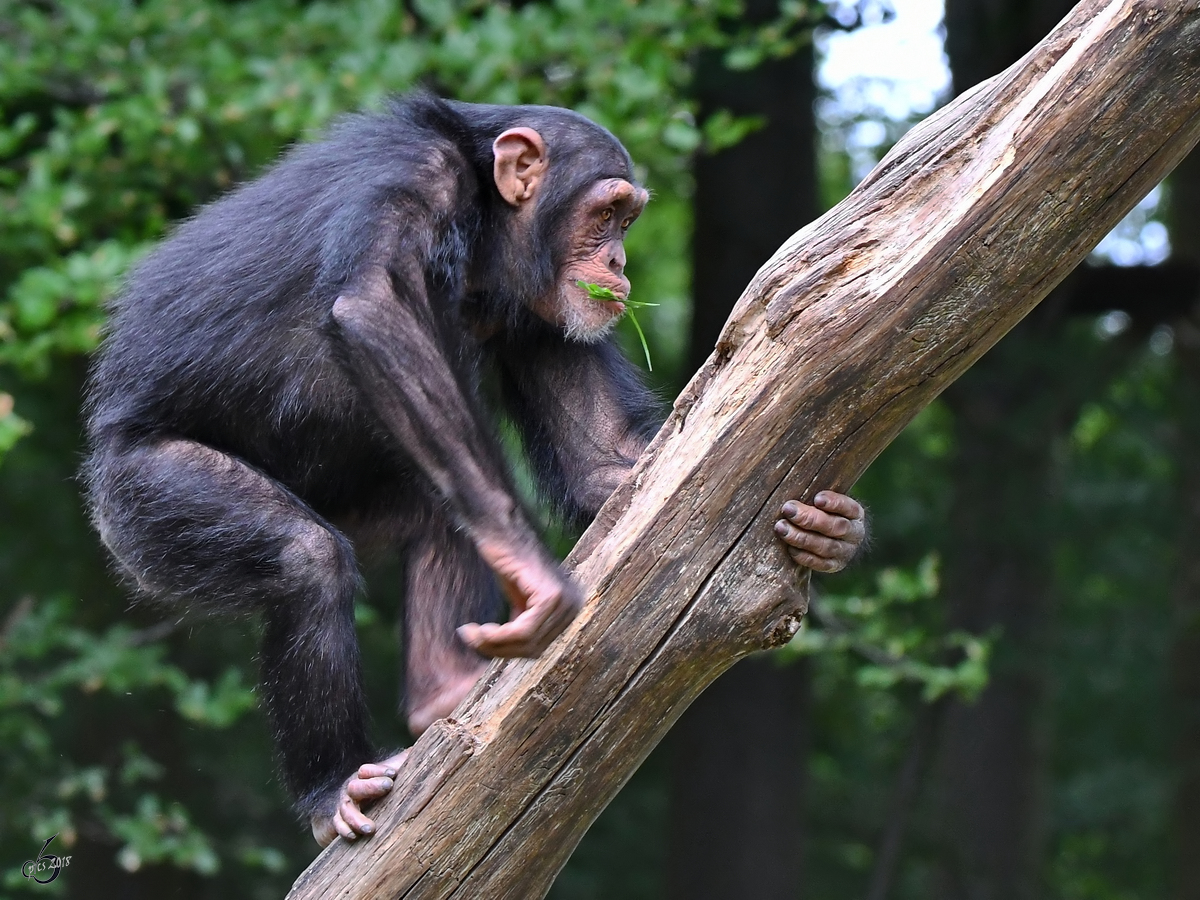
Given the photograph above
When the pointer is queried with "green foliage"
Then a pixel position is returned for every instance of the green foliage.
(54, 310)
(118, 119)
(1112, 764)
(49, 668)
(896, 636)
(12, 426)
(790, 29)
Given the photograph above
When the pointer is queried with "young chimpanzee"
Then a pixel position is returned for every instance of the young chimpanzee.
(295, 375)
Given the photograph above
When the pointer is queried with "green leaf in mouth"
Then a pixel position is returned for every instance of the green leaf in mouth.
(596, 292)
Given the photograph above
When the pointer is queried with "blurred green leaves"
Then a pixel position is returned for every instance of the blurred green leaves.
(12, 426)
(896, 636)
(49, 665)
(118, 118)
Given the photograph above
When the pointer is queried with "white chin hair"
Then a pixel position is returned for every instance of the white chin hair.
(580, 331)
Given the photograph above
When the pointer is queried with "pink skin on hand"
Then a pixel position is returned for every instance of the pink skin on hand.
(542, 599)
(371, 782)
(543, 602)
(826, 535)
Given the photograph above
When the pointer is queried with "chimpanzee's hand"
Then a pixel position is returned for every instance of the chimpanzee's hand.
(826, 535)
(367, 785)
(542, 598)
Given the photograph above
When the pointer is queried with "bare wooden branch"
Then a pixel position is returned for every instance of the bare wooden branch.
(851, 328)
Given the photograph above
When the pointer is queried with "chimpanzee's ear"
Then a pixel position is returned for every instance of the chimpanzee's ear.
(520, 163)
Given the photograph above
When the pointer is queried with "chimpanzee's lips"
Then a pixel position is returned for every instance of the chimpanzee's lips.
(616, 303)
(616, 307)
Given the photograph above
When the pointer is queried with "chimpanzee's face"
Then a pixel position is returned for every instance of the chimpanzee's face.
(595, 255)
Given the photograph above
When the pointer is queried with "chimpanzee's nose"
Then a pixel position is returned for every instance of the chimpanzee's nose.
(616, 257)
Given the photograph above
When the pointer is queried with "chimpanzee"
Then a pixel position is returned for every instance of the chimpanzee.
(295, 376)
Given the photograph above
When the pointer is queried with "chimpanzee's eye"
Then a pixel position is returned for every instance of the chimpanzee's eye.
(606, 215)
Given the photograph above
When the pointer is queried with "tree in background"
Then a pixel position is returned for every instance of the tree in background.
(1058, 429)
(737, 756)
(1058, 780)
(1010, 413)
(1184, 222)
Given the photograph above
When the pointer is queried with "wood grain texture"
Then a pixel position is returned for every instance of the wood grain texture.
(854, 325)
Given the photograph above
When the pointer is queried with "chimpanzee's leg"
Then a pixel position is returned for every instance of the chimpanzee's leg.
(448, 585)
(198, 527)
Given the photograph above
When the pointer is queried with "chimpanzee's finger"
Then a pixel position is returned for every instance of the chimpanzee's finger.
(816, 563)
(526, 635)
(352, 816)
(839, 504)
(342, 827)
(816, 544)
(362, 789)
(809, 518)
(519, 637)
(375, 770)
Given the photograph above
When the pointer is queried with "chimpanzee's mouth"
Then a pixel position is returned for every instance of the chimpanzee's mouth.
(603, 294)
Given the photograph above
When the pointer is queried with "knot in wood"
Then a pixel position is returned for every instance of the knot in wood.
(785, 629)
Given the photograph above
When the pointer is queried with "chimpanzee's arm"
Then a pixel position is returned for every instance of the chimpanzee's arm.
(395, 353)
(584, 414)
(586, 417)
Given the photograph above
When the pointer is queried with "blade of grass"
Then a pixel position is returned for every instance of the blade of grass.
(642, 337)
(596, 292)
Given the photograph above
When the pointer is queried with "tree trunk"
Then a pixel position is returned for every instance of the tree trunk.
(991, 759)
(852, 327)
(737, 786)
(752, 196)
(1185, 654)
(984, 37)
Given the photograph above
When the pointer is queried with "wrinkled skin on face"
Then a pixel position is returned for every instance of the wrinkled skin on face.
(596, 255)
(595, 236)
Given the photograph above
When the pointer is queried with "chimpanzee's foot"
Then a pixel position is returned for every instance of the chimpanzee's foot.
(371, 782)
(437, 704)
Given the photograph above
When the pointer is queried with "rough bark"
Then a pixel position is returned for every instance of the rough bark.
(856, 323)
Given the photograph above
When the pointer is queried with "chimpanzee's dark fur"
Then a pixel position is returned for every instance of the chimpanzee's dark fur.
(245, 439)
